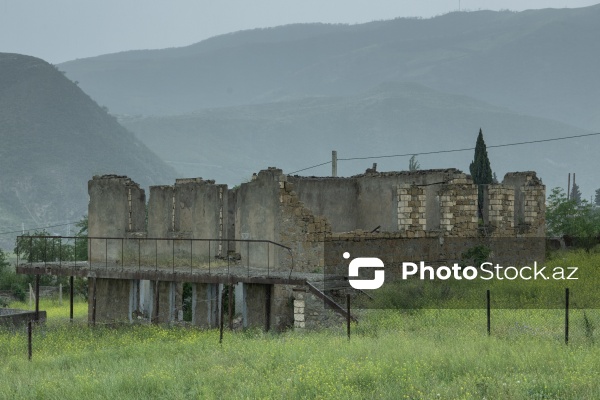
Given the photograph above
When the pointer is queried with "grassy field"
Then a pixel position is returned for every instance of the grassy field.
(425, 354)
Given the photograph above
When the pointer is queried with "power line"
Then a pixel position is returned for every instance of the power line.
(314, 166)
(452, 150)
(39, 227)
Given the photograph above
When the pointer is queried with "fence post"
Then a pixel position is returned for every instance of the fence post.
(29, 345)
(348, 316)
(37, 298)
(72, 291)
(60, 294)
(489, 325)
(94, 304)
(567, 316)
(267, 308)
(156, 301)
(230, 305)
(222, 315)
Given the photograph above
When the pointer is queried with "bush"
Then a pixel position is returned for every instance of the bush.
(18, 291)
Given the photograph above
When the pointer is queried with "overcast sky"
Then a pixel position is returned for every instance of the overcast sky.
(62, 30)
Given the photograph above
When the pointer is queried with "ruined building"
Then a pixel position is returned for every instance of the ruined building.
(263, 243)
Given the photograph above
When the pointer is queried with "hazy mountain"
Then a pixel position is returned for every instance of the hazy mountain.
(53, 139)
(539, 62)
(230, 143)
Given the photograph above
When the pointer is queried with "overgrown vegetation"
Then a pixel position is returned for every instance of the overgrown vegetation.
(32, 249)
(576, 220)
(426, 354)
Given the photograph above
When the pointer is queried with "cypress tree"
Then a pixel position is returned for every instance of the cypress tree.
(480, 169)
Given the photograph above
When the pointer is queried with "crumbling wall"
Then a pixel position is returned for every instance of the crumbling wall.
(256, 217)
(310, 312)
(458, 205)
(268, 208)
(371, 200)
(529, 202)
(117, 209)
(411, 208)
(301, 230)
(192, 208)
(498, 210)
(334, 198)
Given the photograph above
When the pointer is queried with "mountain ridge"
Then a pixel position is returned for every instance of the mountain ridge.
(492, 56)
(54, 139)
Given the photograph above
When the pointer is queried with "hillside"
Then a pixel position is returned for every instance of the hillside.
(54, 138)
(230, 143)
(539, 62)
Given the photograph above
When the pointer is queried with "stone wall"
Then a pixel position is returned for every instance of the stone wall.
(411, 208)
(498, 210)
(458, 205)
(268, 208)
(310, 312)
(530, 202)
(370, 200)
(443, 201)
(13, 318)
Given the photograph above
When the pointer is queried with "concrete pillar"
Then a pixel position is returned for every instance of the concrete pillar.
(256, 311)
(205, 305)
(167, 302)
(145, 300)
(115, 300)
(239, 299)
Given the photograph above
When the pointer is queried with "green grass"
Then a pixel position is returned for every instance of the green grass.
(423, 354)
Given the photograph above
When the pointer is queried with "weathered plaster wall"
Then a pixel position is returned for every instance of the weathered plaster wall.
(113, 299)
(117, 208)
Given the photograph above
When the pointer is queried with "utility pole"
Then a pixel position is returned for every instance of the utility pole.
(334, 163)
(569, 187)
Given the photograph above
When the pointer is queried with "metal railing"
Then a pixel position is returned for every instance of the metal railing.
(179, 255)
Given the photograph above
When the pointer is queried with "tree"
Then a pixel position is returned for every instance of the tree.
(81, 246)
(4, 263)
(41, 246)
(35, 248)
(480, 169)
(575, 193)
(413, 164)
(10, 281)
(579, 221)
